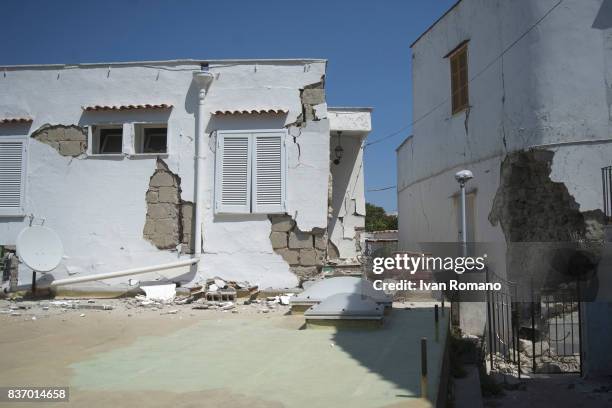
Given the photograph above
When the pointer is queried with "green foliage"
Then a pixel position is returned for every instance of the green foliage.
(378, 220)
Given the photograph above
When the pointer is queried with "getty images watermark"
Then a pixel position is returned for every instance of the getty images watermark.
(413, 263)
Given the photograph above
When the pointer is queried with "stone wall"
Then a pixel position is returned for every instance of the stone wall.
(305, 252)
(169, 220)
(70, 140)
(563, 242)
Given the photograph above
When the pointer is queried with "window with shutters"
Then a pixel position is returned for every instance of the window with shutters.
(459, 79)
(250, 172)
(12, 176)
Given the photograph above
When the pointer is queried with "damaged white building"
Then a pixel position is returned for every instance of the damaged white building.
(519, 93)
(236, 167)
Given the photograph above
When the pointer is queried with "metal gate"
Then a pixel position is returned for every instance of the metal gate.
(538, 337)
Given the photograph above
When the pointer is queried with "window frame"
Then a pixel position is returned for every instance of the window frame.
(457, 86)
(251, 183)
(94, 139)
(139, 137)
(20, 210)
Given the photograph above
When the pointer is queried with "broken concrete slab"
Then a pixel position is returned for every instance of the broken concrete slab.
(160, 293)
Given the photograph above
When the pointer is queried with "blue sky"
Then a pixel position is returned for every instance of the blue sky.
(366, 43)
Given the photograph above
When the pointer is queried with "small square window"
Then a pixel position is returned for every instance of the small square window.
(107, 139)
(151, 139)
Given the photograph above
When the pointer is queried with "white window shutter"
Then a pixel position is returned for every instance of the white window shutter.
(269, 172)
(12, 176)
(233, 173)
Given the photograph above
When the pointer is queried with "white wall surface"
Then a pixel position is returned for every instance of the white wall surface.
(97, 205)
(549, 88)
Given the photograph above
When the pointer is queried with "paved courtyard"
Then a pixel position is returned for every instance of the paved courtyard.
(212, 358)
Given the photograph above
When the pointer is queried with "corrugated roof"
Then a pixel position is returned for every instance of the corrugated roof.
(16, 120)
(248, 111)
(126, 107)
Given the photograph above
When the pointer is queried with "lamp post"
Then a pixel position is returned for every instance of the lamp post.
(462, 178)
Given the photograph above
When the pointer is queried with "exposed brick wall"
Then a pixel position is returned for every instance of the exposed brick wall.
(169, 219)
(305, 252)
(70, 140)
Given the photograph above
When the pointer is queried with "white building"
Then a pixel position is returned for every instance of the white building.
(144, 163)
(519, 93)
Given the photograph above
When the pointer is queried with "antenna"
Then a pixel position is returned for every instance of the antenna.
(40, 248)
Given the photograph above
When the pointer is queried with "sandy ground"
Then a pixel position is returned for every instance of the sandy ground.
(177, 356)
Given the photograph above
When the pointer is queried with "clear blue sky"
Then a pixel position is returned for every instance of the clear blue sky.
(366, 43)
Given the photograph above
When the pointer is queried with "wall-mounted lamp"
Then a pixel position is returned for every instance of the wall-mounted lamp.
(338, 151)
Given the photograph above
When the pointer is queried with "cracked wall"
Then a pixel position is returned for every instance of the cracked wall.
(168, 219)
(304, 251)
(67, 140)
(563, 242)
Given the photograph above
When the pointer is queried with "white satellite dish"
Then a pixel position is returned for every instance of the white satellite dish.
(40, 248)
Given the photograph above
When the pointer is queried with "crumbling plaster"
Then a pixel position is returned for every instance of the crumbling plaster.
(97, 205)
(347, 218)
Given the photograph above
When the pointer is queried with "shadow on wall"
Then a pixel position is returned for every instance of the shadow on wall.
(393, 352)
(15, 129)
(603, 20)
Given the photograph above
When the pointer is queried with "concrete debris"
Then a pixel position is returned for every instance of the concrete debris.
(213, 288)
(173, 311)
(160, 293)
(221, 284)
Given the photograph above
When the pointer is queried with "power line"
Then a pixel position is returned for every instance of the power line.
(504, 51)
(381, 189)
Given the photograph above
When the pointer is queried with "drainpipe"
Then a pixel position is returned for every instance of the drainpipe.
(126, 272)
(202, 79)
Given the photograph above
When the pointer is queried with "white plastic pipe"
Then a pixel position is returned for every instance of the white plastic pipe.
(203, 79)
(125, 272)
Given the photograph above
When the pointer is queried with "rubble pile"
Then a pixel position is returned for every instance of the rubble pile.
(164, 299)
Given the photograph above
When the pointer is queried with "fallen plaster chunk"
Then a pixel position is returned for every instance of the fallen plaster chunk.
(160, 293)
(284, 299)
(173, 311)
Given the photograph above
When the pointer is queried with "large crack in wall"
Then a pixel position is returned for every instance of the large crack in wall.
(304, 251)
(564, 243)
(67, 140)
(169, 220)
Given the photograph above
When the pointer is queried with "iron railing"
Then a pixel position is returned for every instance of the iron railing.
(606, 180)
(541, 337)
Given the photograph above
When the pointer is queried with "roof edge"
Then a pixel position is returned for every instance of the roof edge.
(435, 22)
(349, 109)
(166, 62)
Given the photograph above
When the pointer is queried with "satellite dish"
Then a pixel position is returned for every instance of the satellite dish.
(40, 248)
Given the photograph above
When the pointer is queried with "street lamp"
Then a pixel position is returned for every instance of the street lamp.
(462, 178)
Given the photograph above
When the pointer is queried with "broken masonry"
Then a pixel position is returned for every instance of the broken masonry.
(169, 220)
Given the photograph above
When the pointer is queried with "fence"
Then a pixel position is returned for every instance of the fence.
(606, 179)
(541, 337)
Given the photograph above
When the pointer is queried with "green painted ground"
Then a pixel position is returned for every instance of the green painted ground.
(272, 360)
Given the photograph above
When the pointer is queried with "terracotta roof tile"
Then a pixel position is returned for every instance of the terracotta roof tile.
(248, 111)
(15, 120)
(125, 107)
